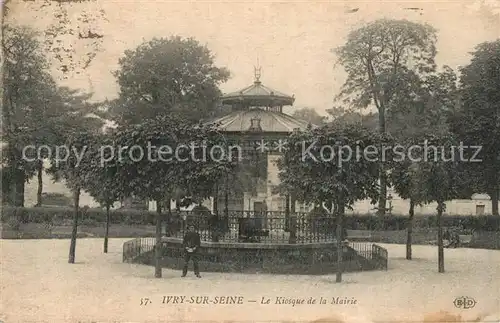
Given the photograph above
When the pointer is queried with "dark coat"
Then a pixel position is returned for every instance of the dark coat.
(191, 240)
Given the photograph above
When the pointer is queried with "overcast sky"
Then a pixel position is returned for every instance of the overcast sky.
(291, 40)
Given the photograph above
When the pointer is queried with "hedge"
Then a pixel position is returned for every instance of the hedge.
(64, 215)
(469, 222)
(88, 216)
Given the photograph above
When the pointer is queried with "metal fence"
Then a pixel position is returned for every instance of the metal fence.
(375, 254)
(134, 248)
(362, 248)
(263, 227)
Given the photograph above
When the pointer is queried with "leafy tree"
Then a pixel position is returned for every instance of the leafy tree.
(404, 181)
(165, 76)
(99, 181)
(4, 9)
(74, 175)
(427, 107)
(37, 112)
(156, 173)
(24, 76)
(208, 173)
(383, 59)
(310, 115)
(347, 116)
(318, 170)
(63, 111)
(424, 109)
(435, 177)
(478, 122)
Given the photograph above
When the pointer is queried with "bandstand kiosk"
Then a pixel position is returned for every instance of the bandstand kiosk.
(259, 125)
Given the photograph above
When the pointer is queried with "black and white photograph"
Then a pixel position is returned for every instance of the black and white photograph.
(250, 161)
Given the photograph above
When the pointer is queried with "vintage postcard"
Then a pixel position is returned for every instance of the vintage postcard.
(250, 161)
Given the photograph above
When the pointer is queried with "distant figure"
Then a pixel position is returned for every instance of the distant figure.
(191, 244)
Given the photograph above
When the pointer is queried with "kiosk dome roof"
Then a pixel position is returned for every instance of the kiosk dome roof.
(258, 95)
(270, 121)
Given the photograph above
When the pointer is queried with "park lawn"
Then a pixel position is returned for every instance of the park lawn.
(38, 285)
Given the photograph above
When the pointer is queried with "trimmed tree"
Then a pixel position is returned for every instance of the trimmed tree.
(151, 163)
(101, 169)
(209, 170)
(404, 181)
(435, 178)
(74, 175)
(318, 166)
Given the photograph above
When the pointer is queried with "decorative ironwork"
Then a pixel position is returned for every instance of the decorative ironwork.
(373, 256)
(264, 227)
(134, 248)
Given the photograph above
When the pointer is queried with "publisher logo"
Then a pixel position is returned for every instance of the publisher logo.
(464, 302)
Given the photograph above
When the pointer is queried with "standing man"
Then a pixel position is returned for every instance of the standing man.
(191, 245)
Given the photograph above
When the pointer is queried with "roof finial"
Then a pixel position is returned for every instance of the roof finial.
(257, 71)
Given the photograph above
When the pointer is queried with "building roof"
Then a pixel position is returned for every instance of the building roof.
(480, 196)
(270, 121)
(259, 95)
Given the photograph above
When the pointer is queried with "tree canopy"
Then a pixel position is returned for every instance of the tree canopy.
(378, 56)
(165, 76)
(477, 123)
(318, 169)
(323, 166)
(310, 115)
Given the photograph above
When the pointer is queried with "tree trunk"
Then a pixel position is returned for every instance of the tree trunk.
(40, 183)
(106, 233)
(168, 217)
(287, 213)
(494, 200)
(216, 199)
(22, 188)
(409, 229)
(158, 240)
(340, 248)
(383, 192)
(440, 210)
(383, 178)
(72, 246)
